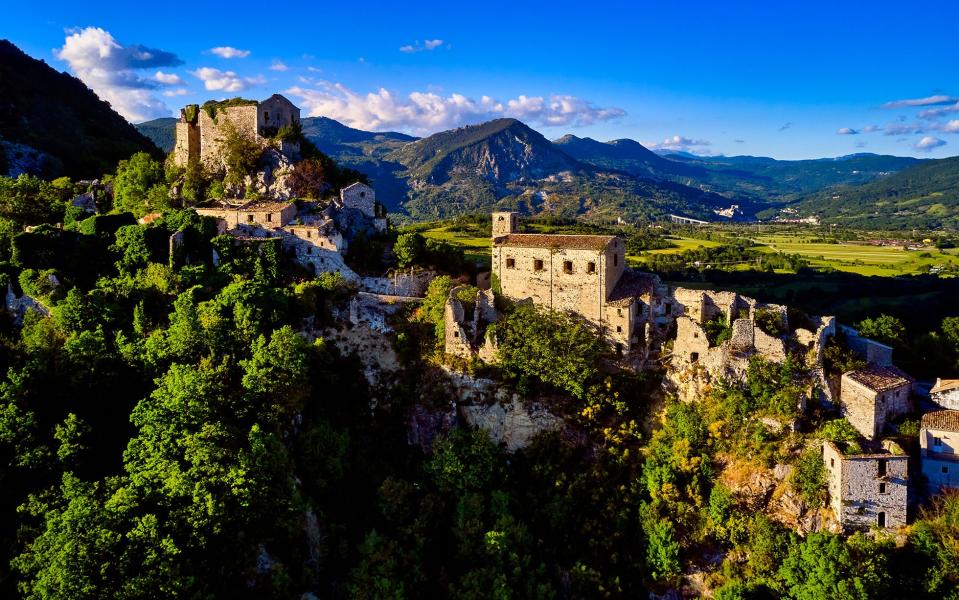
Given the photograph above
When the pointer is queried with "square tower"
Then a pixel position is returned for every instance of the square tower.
(504, 223)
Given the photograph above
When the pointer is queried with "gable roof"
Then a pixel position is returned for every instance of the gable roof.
(554, 241)
(946, 420)
(880, 379)
(943, 385)
(280, 98)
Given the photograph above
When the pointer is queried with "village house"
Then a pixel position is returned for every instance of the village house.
(201, 130)
(870, 398)
(945, 393)
(867, 489)
(317, 237)
(939, 443)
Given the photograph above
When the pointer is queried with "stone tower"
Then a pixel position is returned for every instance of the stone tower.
(187, 145)
(504, 223)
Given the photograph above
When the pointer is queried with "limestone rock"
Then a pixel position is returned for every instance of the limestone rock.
(511, 423)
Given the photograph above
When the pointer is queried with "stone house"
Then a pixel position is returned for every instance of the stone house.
(946, 393)
(201, 129)
(581, 274)
(868, 489)
(872, 397)
(360, 198)
(939, 449)
(251, 213)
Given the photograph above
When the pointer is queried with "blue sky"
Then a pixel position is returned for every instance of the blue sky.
(782, 79)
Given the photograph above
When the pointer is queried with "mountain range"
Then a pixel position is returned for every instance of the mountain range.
(53, 124)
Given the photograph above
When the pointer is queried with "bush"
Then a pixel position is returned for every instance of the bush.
(809, 477)
(770, 321)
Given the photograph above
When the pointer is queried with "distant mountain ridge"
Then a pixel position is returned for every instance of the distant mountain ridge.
(60, 118)
(923, 195)
(504, 163)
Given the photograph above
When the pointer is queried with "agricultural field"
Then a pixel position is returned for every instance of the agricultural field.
(861, 258)
(475, 247)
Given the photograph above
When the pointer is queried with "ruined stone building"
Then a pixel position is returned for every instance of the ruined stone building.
(467, 321)
(872, 397)
(636, 312)
(945, 393)
(201, 130)
(873, 352)
(581, 274)
(317, 236)
(939, 449)
(867, 489)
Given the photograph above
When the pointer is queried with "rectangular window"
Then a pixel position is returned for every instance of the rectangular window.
(832, 462)
(568, 267)
(309, 233)
(266, 116)
(510, 263)
(615, 260)
(882, 467)
(693, 357)
(882, 488)
(945, 470)
(269, 217)
(881, 519)
(937, 442)
(249, 218)
(619, 329)
(590, 267)
(619, 312)
(537, 265)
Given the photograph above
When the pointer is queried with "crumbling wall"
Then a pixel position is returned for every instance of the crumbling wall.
(872, 351)
(769, 347)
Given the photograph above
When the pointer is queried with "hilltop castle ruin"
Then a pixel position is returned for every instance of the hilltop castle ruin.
(201, 130)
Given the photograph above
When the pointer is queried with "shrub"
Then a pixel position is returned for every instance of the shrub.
(809, 477)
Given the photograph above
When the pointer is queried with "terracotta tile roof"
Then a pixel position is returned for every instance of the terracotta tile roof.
(559, 241)
(631, 285)
(880, 379)
(943, 385)
(946, 420)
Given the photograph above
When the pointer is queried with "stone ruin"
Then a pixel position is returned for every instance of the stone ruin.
(467, 324)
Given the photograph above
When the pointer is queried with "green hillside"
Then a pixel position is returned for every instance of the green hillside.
(162, 132)
(925, 195)
(56, 114)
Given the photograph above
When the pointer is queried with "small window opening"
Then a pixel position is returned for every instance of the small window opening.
(619, 312)
(882, 488)
(568, 267)
(537, 265)
(249, 218)
(619, 329)
(669, 309)
(945, 470)
(510, 263)
(832, 462)
(269, 217)
(362, 194)
(937, 442)
(615, 260)
(456, 334)
(882, 467)
(693, 356)
(591, 267)
(266, 115)
(881, 519)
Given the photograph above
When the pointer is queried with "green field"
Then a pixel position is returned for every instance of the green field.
(860, 258)
(474, 247)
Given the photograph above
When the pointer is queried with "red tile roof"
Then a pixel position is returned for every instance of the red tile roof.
(880, 379)
(557, 241)
(946, 420)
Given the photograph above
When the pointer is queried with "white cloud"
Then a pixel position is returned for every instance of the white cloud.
(175, 92)
(928, 143)
(229, 52)
(846, 131)
(676, 142)
(951, 126)
(279, 65)
(168, 78)
(111, 70)
(869, 129)
(935, 113)
(226, 81)
(417, 47)
(936, 100)
(428, 112)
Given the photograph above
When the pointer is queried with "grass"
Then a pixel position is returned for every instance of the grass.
(859, 258)
(475, 248)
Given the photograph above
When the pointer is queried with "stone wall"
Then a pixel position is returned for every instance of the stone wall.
(275, 112)
(504, 223)
(270, 215)
(186, 144)
(243, 118)
(946, 399)
(871, 350)
(465, 331)
(361, 197)
(868, 411)
(860, 494)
